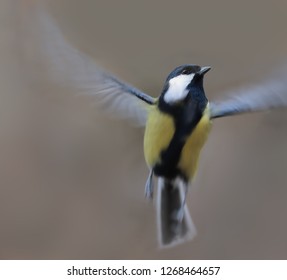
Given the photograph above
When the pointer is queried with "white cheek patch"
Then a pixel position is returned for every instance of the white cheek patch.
(177, 88)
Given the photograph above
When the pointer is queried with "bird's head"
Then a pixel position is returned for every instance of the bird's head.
(184, 83)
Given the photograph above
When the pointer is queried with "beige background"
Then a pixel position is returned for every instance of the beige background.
(72, 180)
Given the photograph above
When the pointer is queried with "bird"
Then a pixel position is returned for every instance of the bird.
(176, 123)
(177, 127)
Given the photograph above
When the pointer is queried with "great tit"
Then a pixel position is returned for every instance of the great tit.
(177, 123)
(177, 127)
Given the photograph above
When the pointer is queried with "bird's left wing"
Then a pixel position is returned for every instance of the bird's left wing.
(68, 67)
(270, 94)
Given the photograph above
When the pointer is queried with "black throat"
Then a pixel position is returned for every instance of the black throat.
(186, 116)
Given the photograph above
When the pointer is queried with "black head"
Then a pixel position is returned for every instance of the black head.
(184, 82)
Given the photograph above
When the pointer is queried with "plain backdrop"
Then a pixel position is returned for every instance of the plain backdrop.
(72, 180)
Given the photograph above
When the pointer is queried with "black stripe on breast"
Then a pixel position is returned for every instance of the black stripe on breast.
(186, 116)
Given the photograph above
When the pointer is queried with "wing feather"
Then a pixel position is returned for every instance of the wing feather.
(68, 67)
(269, 94)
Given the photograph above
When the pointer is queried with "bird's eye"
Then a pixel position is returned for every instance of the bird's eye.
(184, 71)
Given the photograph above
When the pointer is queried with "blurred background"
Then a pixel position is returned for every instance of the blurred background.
(72, 180)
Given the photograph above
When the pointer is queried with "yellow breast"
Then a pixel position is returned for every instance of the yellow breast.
(159, 131)
(158, 134)
(194, 143)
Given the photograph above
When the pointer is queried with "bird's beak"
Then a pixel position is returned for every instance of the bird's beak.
(204, 70)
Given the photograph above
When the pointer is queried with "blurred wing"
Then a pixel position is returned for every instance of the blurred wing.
(68, 67)
(270, 94)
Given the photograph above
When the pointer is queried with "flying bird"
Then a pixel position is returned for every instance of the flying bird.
(177, 123)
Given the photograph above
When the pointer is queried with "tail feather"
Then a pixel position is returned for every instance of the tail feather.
(171, 231)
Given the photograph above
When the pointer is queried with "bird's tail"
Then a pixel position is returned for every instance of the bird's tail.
(171, 229)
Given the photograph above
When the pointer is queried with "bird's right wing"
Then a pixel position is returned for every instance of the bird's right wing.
(269, 94)
(68, 67)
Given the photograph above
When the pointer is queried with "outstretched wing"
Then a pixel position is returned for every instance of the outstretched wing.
(270, 94)
(68, 67)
